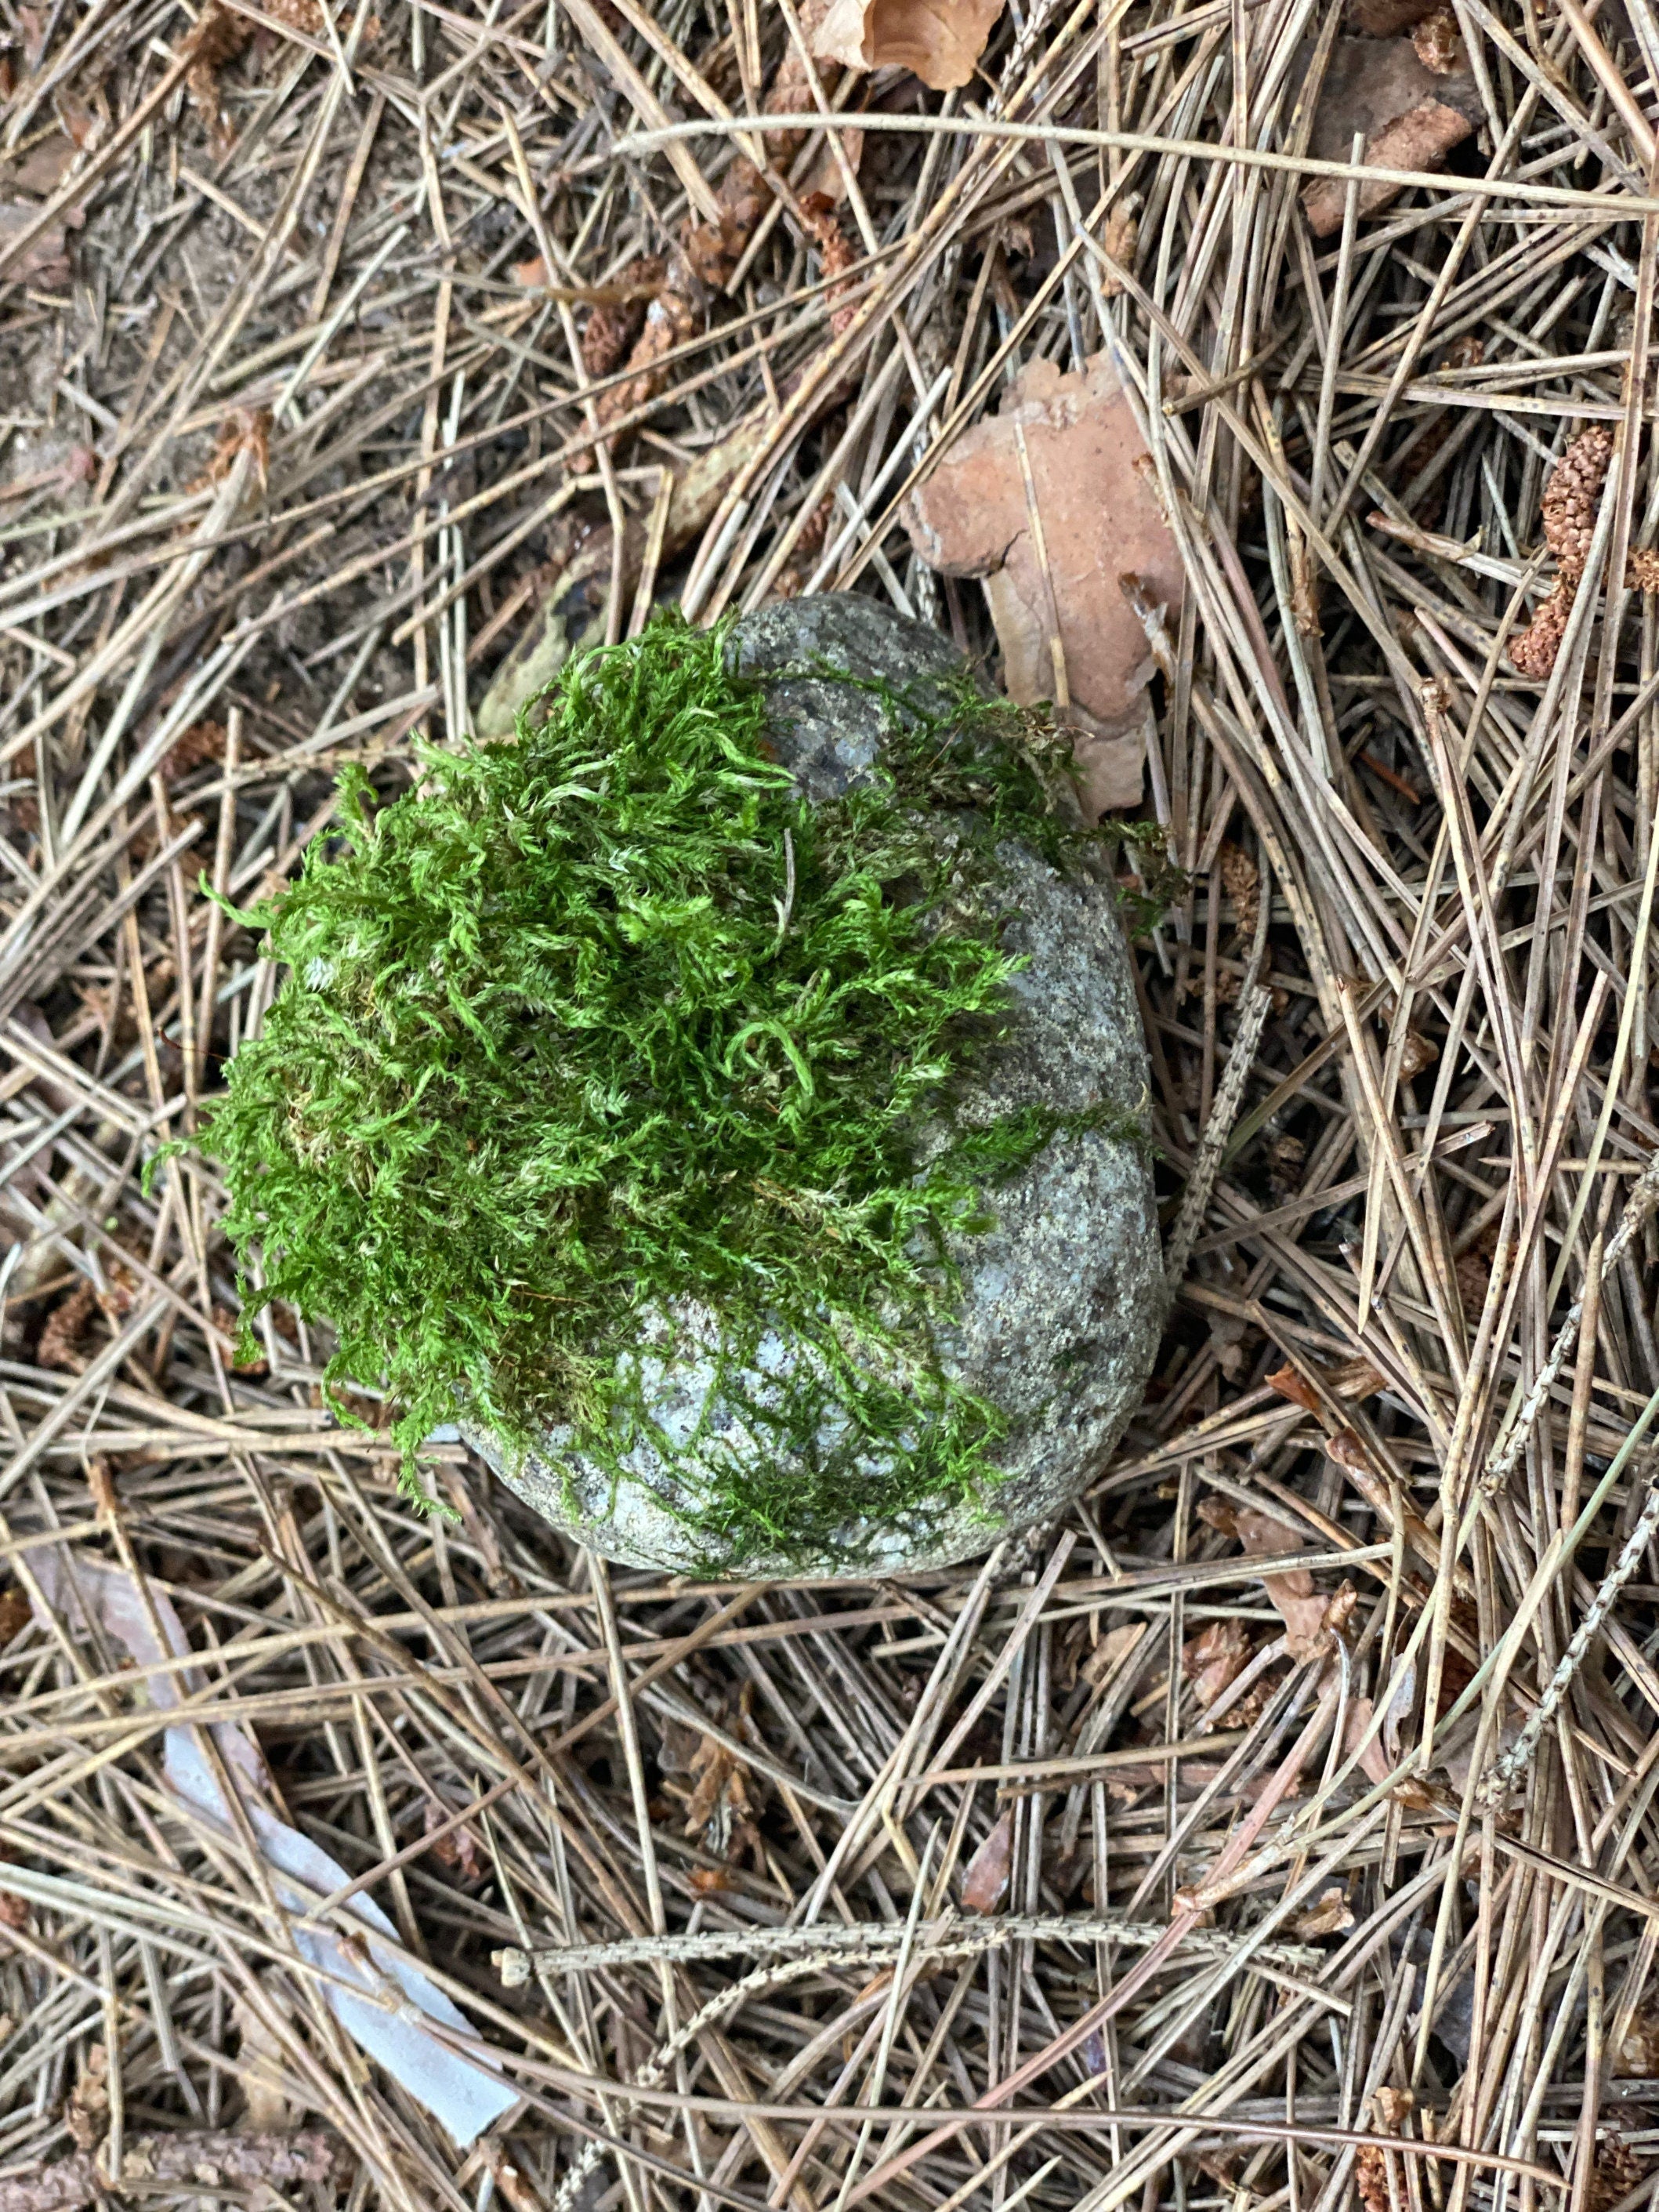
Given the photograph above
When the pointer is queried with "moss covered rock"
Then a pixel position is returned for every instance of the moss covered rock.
(1049, 1302)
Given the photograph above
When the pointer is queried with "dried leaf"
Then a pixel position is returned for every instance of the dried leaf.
(988, 1870)
(1097, 517)
(46, 260)
(1310, 1621)
(612, 325)
(718, 1810)
(1215, 1658)
(1289, 1384)
(43, 168)
(456, 1850)
(940, 40)
(1332, 1915)
(1110, 1652)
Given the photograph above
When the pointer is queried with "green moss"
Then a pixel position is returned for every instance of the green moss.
(610, 1017)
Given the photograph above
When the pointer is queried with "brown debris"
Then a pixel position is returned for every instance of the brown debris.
(1439, 45)
(46, 260)
(214, 2159)
(1333, 1915)
(1213, 1660)
(940, 40)
(193, 748)
(708, 255)
(1420, 139)
(65, 1327)
(1573, 496)
(611, 329)
(989, 1870)
(1098, 516)
(1412, 116)
(218, 37)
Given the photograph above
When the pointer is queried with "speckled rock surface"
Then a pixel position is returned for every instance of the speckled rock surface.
(1062, 1299)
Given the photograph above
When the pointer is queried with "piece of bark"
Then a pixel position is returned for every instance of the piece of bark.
(1099, 521)
(1420, 140)
(1412, 117)
(214, 2159)
(940, 41)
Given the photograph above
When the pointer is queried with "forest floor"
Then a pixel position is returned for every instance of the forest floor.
(1280, 1826)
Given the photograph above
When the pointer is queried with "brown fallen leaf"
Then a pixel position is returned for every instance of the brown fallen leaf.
(613, 325)
(940, 41)
(988, 1870)
(1332, 1915)
(1048, 579)
(1310, 1620)
(42, 169)
(1289, 1384)
(1411, 116)
(1213, 1660)
(45, 261)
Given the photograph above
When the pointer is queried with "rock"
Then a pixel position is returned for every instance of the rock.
(1062, 1300)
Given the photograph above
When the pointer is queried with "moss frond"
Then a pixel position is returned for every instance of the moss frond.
(608, 1019)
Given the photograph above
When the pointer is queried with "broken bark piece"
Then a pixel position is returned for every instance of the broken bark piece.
(1420, 139)
(1412, 117)
(940, 41)
(1050, 558)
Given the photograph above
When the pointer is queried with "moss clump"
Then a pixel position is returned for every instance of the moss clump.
(610, 1017)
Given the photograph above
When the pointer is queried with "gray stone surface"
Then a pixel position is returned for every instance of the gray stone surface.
(1063, 1299)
